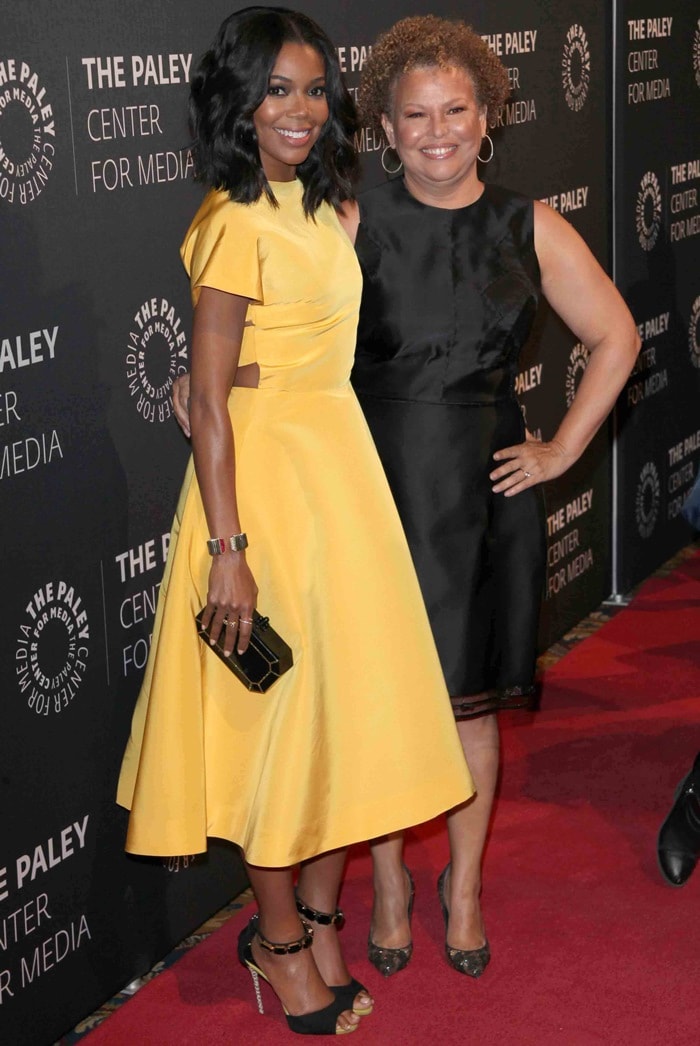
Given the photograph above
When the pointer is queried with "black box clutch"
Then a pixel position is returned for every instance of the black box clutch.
(266, 659)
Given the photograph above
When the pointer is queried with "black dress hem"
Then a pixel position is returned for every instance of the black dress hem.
(505, 700)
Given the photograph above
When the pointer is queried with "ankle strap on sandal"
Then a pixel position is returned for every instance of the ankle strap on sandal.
(289, 948)
(322, 918)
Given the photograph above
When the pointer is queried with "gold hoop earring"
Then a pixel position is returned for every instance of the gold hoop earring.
(489, 158)
(389, 170)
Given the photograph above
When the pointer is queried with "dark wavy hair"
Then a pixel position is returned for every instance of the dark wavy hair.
(232, 81)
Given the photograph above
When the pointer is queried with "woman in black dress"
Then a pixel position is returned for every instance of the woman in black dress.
(452, 274)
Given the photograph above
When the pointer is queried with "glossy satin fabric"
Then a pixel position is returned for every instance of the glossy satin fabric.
(449, 298)
(324, 758)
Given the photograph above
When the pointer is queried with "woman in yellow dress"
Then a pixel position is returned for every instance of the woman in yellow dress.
(357, 739)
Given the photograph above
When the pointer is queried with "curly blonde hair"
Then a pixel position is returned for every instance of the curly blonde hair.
(423, 41)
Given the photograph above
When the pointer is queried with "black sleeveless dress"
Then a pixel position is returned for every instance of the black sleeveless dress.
(449, 298)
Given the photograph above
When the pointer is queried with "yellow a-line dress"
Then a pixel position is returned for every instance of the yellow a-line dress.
(358, 738)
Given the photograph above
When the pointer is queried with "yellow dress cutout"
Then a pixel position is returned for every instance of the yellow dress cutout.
(358, 738)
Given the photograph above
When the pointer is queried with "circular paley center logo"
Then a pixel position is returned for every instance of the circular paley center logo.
(578, 360)
(156, 353)
(646, 502)
(696, 53)
(648, 211)
(694, 333)
(27, 133)
(52, 648)
(576, 68)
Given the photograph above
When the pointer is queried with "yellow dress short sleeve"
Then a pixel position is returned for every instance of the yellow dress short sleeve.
(358, 739)
(220, 249)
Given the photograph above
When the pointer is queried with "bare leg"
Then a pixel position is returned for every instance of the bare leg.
(390, 928)
(467, 826)
(295, 978)
(318, 886)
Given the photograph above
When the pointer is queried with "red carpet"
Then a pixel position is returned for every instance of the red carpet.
(589, 946)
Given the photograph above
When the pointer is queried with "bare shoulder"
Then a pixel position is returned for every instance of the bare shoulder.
(574, 283)
(349, 218)
(558, 243)
(550, 226)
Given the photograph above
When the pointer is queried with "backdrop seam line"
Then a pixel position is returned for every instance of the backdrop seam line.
(104, 619)
(614, 462)
(72, 132)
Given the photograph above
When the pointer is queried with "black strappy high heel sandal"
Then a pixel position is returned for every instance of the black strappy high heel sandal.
(346, 992)
(390, 960)
(473, 961)
(319, 1022)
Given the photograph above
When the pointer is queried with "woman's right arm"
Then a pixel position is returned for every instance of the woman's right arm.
(219, 319)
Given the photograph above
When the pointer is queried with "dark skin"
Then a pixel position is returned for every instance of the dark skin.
(287, 125)
(219, 319)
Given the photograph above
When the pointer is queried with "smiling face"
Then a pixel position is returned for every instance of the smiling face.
(436, 126)
(295, 109)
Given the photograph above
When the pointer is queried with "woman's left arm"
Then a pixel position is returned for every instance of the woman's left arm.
(588, 302)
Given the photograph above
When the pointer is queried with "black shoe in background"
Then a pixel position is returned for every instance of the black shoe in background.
(678, 845)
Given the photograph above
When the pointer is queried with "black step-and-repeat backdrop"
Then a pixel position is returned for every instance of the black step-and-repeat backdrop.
(657, 267)
(95, 195)
(95, 192)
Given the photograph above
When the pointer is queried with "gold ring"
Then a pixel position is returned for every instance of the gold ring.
(528, 474)
(245, 621)
(231, 624)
